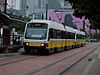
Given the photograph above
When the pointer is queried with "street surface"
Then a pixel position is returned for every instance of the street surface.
(69, 62)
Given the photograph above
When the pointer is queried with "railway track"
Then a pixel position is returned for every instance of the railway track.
(24, 59)
(53, 63)
(66, 58)
(71, 66)
(19, 60)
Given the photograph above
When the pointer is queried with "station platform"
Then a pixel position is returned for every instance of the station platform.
(11, 48)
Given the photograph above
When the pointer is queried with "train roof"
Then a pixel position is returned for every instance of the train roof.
(55, 25)
(69, 29)
(51, 24)
(82, 33)
(58, 26)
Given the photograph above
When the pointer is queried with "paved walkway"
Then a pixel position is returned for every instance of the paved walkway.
(94, 67)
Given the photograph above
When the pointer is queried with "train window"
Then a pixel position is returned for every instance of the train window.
(78, 36)
(63, 35)
(72, 36)
(52, 33)
(68, 35)
(37, 25)
(36, 31)
(58, 34)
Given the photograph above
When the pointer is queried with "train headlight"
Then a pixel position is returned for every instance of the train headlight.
(42, 44)
(27, 43)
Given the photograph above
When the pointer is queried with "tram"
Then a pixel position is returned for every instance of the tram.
(48, 36)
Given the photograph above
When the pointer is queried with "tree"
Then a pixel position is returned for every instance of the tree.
(88, 8)
(18, 25)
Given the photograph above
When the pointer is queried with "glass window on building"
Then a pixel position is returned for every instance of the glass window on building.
(39, 4)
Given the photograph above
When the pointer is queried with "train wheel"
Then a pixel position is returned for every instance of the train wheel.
(65, 48)
(27, 50)
(73, 46)
(50, 51)
(55, 50)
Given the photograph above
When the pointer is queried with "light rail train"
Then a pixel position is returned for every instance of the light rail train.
(48, 36)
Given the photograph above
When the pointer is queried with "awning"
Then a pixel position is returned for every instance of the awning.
(4, 20)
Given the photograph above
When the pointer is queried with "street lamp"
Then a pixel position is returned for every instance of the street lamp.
(84, 25)
(27, 10)
(46, 11)
(5, 6)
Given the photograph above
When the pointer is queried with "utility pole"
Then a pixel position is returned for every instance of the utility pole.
(42, 16)
(46, 11)
(27, 10)
(5, 6)
(84, 25)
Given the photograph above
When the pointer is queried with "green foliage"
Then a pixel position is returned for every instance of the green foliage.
(96, 36)
(88, 8)
(28, 18)
(18, 25)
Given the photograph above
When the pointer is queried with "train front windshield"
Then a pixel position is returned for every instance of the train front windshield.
(36, 31)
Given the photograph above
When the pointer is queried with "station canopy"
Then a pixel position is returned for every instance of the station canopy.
(4, 20)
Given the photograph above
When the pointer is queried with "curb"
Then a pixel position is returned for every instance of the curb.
(10, 49)
(9, 54)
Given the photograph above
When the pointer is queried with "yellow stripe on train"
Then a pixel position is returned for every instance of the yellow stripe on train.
(35, 44)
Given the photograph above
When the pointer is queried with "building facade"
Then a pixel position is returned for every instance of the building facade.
(13, 7)
(38, 6)
(54, 4)
(23, 7)
(32, 7)
(2, 5)
(65, 6)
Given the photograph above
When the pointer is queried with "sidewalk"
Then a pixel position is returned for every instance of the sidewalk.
(95, 69)
(94, 66)
(10, 48)
(12, 51)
